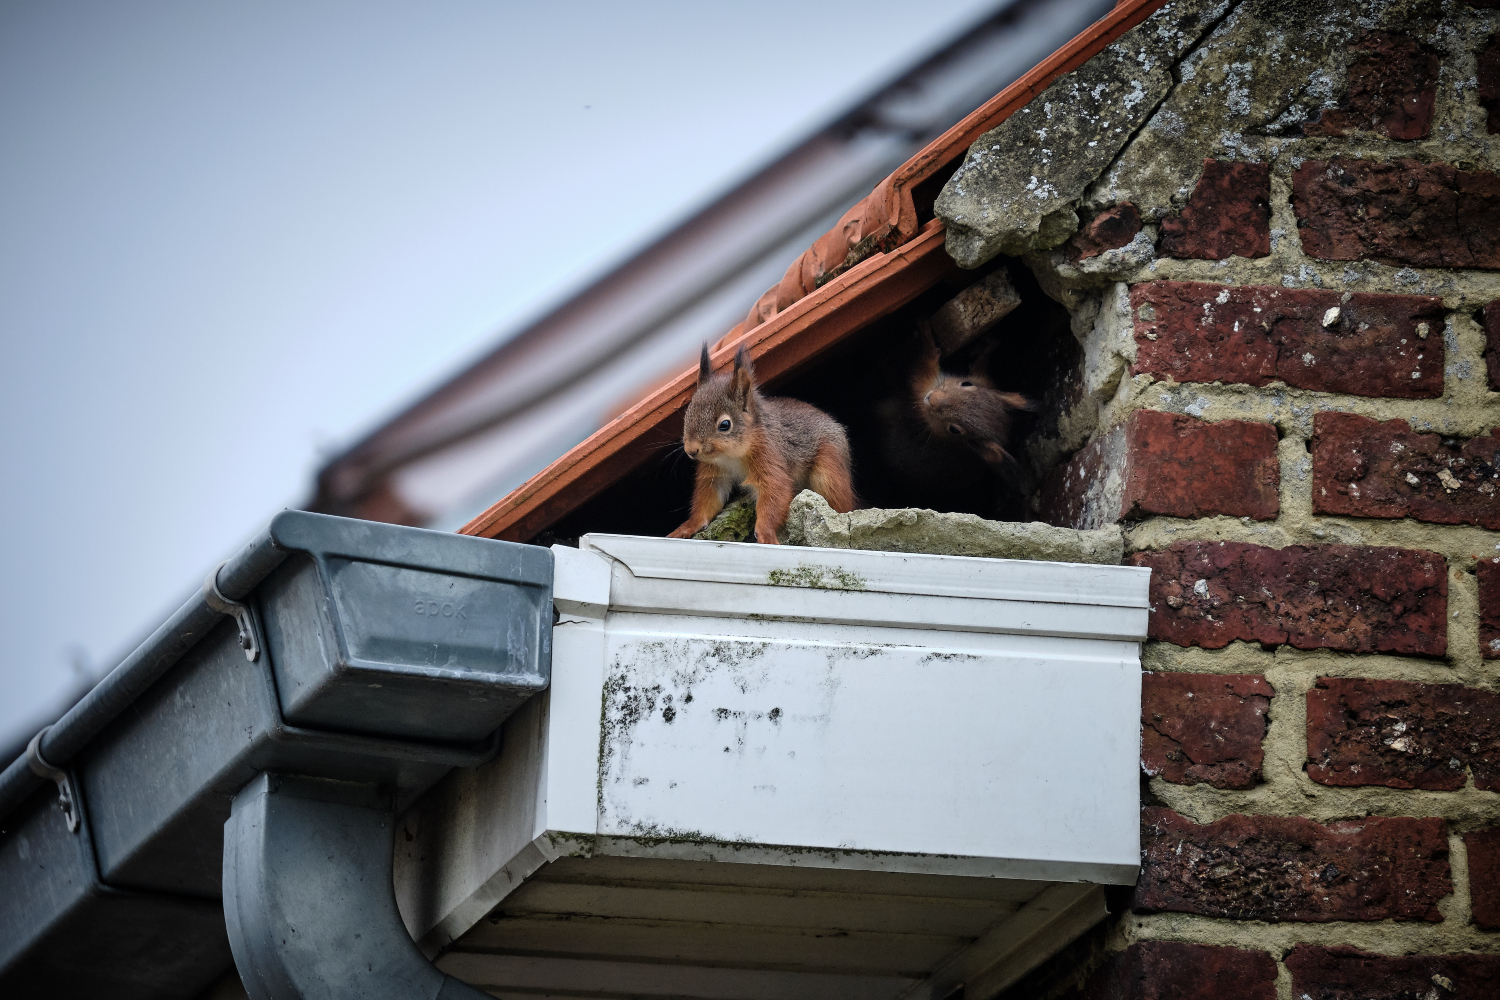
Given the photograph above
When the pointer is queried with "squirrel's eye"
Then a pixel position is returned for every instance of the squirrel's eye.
(955, 429)
(966, 384)
(724, 426)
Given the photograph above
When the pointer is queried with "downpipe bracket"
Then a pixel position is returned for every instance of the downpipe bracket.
(243, 617)
(67, 795)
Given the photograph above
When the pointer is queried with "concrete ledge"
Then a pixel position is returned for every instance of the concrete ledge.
(813, 522)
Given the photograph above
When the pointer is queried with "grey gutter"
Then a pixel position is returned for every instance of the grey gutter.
(60, 742)
(360, 663)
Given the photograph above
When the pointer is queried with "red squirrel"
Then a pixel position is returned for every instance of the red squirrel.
(775, 448)
(966, 409)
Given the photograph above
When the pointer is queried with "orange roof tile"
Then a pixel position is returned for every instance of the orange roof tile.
(874, 261)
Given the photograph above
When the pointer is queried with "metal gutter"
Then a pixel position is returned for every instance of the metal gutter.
(345, 657)
(308, 897)
(59, 743)
(878, 256)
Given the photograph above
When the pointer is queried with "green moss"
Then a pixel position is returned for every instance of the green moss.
(821, 577)
(735, 523)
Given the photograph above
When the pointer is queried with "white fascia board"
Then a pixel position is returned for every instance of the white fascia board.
(874, 571)
(969, 732)
(580, 582)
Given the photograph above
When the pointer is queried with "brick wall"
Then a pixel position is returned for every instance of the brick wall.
(1287, 287)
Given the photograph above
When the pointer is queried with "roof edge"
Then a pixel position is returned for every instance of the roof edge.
(875, 260)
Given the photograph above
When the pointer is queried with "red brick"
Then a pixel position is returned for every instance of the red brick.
(1483, 848)
(1488, 573)
(1352, 598)
(1167, 464)
(1392, 86)
(1278, 868)
(1192, 331)
(1168, 970)
(1398, 212)
(1204, 728)
(1489, 81)
(1492, 342)
(1228, 214)
(1366, 468)
(1401, 734)
(1180, 466)
(1345, 973)
(1109, 230)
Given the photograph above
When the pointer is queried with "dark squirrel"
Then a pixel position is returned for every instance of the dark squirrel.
(965, 409)
(775, 448)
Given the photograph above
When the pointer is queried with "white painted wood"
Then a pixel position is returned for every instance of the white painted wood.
(607, 869)
(807, 909)
(565, 976)
(568, 806)
(1016, 945)
(580, 582)
(739, 785)
(730, 579)
(1025, 765)
(714, 944)
(887, 572)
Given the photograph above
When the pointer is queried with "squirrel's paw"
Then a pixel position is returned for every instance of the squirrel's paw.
(763, 538)
(687, 530)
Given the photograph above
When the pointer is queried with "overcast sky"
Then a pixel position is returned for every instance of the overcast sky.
(234, 236)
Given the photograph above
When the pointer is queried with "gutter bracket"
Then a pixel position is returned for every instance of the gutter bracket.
(309, 898)
(67, 795)
(215, 599)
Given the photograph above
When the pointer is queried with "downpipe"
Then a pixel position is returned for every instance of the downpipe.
(309, 899)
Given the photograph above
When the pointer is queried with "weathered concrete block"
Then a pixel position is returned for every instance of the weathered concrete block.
(1171, 970)
(1228, 215)
(1354, 598)
(1362, 344)
(1264, 70)
(1391, 88)
(1204, 728)
(1167, 464)
(973, 311)
(1401, 734)
(1371, 468)
(1278, 868)
(1342, 973)
(1020, 183)
(1398, 212)
(813, 522)
(1483, 848)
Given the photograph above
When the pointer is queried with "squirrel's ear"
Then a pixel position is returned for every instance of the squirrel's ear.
(704, 371)
(992, 453)
(742, 382)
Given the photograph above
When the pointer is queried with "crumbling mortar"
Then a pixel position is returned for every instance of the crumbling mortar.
(1459, 289)
(1382, 937)
(1286, 789)
(1466, 409)
(1461, 545)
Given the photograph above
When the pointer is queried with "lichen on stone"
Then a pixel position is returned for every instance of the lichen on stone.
(735, 523)
(1020, 184)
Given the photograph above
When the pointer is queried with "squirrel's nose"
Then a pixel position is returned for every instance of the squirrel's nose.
(691, 449)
